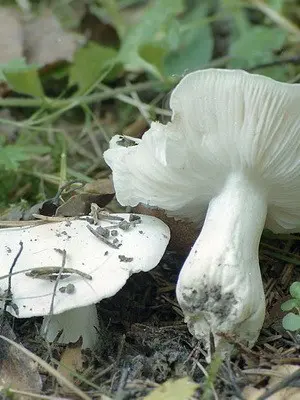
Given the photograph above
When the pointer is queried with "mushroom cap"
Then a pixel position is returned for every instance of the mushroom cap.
(222, 121)
(141, 250)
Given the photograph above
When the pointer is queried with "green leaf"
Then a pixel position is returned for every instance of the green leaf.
(154, 57)
(22, 78)
(276, 5)
(291, 322)
(110, 10)
(12, 155)
(289, 305)
(194, 43)
(91, 64)
(256, 46)
(13, 65)
(181, 389)
(26, 81)
(295, 290)
(148, 31)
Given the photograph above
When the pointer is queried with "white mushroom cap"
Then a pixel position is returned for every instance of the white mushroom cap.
(223, 121)
(232, 150)
(142, 247)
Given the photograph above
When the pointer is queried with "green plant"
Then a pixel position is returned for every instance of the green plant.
(291, 321)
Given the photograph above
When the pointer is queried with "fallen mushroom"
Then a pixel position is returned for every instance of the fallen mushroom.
(91, 271)
(230, 156)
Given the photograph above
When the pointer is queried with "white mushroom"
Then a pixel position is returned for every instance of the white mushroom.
(232, 153)
(93, 270)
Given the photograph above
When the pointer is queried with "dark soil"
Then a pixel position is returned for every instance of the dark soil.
(143, 340)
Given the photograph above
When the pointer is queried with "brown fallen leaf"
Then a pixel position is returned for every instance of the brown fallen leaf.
(71, 362)
(99, 31)
(286, 393)
(172, 389)
(80, 204)
(42, 39)
(17, 370)
(46, 42)
(99, 186)
(11, 38)
(183, 233)
(99, 191)
(251, 393)
(275, 314)
(137, 128)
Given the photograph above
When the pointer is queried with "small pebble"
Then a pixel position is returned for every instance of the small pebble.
(123, 258)
(115, 241)
(134, 218)
(124, 225)
(103, 231)
(69, 289)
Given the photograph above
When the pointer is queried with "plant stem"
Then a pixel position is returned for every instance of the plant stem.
(49, 103)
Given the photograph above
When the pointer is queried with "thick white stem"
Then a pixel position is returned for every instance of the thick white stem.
(220, 287)
(78, 322)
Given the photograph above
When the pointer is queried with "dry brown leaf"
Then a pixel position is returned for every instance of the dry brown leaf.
(183, 233)
(42, 40)
(11, 35)
(100, 192)
(99, 31)
(71, 362)
(80, 204)
(280, 372)
(275, 314)
(99, 186)
(251, 393)
(17, 370)
(137, 128)
(45, 41)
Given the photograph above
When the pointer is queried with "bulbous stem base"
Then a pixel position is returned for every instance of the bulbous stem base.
(220, 287)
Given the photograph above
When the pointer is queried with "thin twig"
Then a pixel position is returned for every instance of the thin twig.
(50, 272)
(64, 256)
(122, 384)
(17, 272)
(10, 391)
(53, 219)
(102, 238)
(290, 60)
(16, 224)
(8, 297)
(49, 103)
(232, 379)
(60, 378)
(276, 17)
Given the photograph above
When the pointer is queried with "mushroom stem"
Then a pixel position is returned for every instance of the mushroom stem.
(78, 322)
(220, 287)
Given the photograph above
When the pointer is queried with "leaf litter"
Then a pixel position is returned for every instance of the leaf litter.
(143, 341)
(40, 40)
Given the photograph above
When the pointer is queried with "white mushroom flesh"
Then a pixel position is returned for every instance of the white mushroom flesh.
(232, 148)
(220, 287)
(93, 268)
(72, 325)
